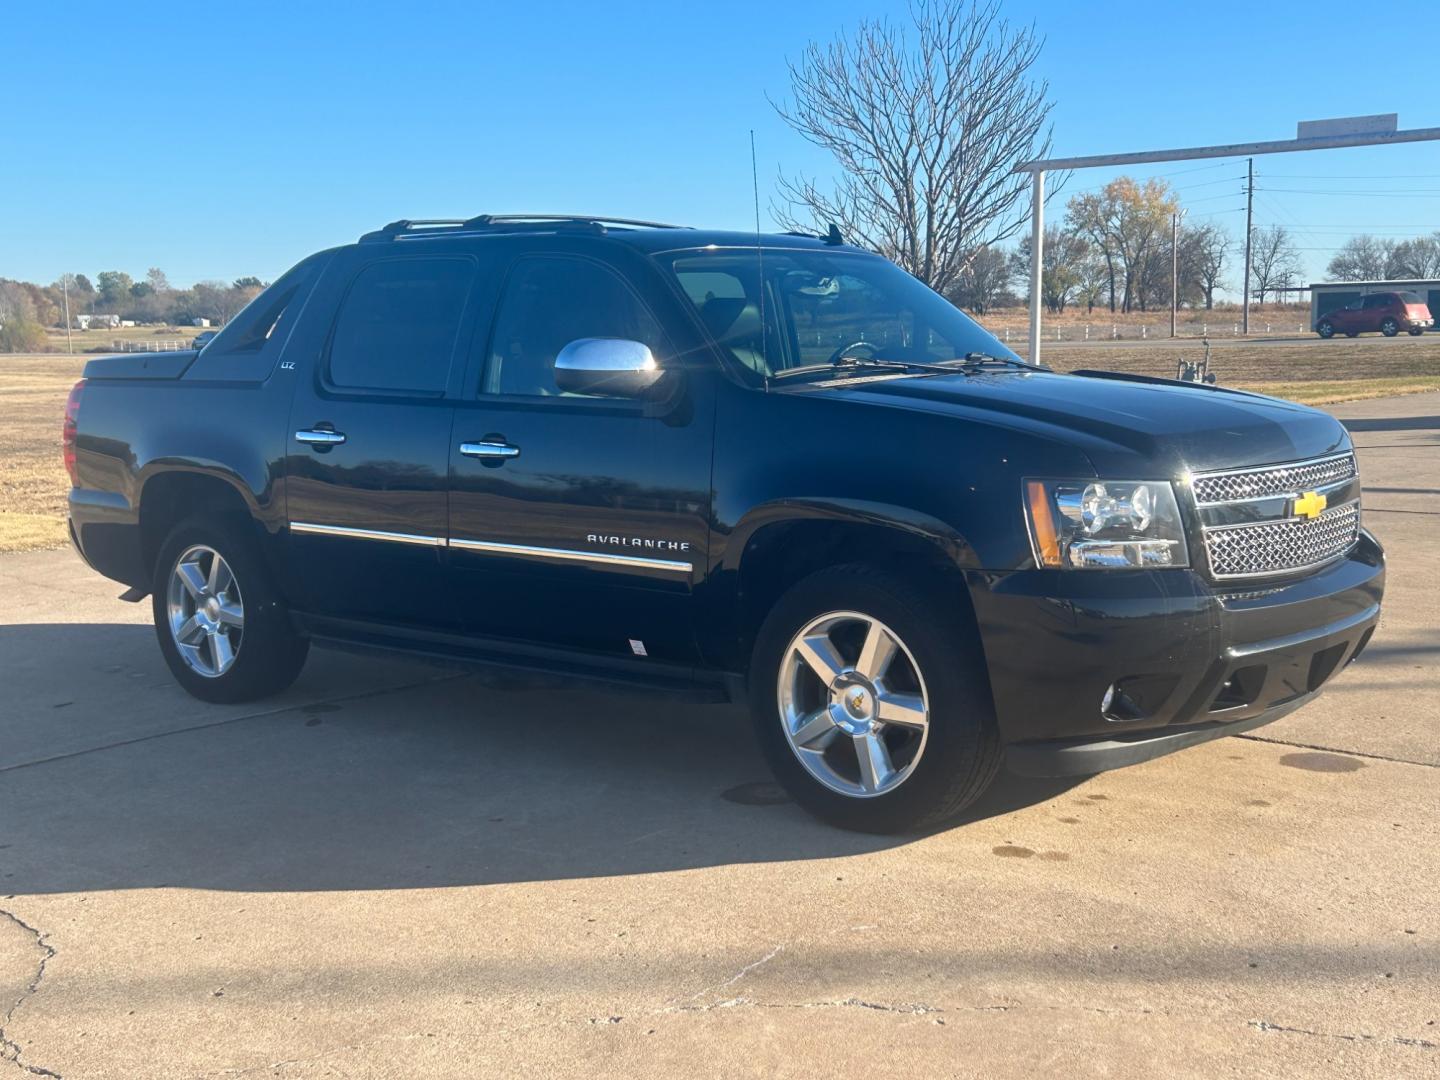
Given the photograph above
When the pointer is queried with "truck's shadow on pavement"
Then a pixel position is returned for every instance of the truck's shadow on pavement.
(339, 785)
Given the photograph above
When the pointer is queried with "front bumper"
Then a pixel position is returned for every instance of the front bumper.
(1192, 661)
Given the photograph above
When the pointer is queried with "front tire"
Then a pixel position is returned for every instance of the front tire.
(222, 627)
(1389, 328)
(1326, 330)
(871, 702)
(1416, 331)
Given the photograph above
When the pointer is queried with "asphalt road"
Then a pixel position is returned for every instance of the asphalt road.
(394, 871)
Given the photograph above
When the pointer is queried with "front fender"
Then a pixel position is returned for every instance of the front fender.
(853, 511)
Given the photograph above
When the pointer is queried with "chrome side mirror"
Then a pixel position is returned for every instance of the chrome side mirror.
(612, 367)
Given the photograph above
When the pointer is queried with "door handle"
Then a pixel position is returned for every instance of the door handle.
(489, 450)
(319, 437)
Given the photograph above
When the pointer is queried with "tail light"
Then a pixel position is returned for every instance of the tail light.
(67, 432)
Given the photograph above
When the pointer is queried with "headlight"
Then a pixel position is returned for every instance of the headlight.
(1105, 524)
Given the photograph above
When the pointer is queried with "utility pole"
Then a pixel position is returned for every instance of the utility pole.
(1249, 217)
(65, 288)
(1174, 269)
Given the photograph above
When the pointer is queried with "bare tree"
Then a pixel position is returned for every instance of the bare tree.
(1362, 258)
(926, 124)
(1418, 258)
(1063, 273)
(1211, 247)
(1092, 275)
(984, 282)
(1274, 260)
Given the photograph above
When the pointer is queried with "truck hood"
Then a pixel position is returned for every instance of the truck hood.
(1123, 423)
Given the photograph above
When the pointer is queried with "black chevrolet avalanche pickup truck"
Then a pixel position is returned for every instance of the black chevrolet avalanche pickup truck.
(771, 469)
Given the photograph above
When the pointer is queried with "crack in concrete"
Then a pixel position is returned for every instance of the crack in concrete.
(776, 951)
(908, 1008)
(9, 1048)
(1335, 750)
(1399, 1040)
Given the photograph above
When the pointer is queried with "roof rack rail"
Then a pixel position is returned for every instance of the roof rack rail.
(502, 222)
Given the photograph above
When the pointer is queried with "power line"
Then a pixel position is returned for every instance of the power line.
(1357, 176)
(1212, 198)
(1356, 230)
(1414, 193)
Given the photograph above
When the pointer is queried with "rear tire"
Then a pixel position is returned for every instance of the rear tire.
(901, 733)
(223, 629)
(1389, 328)
(1326, 330)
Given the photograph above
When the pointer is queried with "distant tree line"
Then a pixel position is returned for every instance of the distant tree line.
(1374, 258)
(26, 308)
(1112, 250)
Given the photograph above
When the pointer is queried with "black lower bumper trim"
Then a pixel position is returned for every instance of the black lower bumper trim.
(1084, 757)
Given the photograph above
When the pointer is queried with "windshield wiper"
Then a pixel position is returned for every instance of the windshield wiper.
(845, 365)
(856, 364)
(980, 359)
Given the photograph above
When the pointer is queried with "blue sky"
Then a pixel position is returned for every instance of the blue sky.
(235, 142)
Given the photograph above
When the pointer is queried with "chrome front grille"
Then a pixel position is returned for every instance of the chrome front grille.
(1279, 547)
(1273, 480)
(1282, 541)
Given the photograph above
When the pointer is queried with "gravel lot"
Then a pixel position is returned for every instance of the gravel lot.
(395, 871)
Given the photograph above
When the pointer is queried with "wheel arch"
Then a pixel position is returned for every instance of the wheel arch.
(170, 496)
(782, 543)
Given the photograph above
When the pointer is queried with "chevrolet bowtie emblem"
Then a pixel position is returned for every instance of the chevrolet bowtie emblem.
(1309, 505)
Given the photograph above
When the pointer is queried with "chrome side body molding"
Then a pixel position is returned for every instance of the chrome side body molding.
(495, 547)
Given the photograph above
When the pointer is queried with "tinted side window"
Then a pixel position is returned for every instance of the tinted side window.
(397, 325)
(1378, 300)
(549, 302)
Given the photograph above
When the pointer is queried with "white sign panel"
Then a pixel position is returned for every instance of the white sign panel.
(1382, 124)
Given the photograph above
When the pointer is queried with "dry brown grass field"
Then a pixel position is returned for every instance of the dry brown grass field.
(1074, 324)
(118, 340)
(32, 479)
(33, 388)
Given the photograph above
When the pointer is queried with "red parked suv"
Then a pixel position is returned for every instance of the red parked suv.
(1387, 312)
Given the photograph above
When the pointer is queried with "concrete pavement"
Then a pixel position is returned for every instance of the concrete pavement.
(394, 871)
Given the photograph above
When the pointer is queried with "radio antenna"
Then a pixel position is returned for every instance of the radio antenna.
(760, 263)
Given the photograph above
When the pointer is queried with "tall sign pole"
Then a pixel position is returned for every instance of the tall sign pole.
(1249, 218)
(1174, 269)
(1037, 260)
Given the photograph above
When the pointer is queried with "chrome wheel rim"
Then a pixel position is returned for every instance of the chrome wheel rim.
(205, 611)
(853, 704)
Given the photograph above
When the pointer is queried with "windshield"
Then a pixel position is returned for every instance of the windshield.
(820, 307)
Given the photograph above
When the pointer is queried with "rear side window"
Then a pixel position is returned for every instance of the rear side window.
(549, 302)
(397, 327)
(1379, 300)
